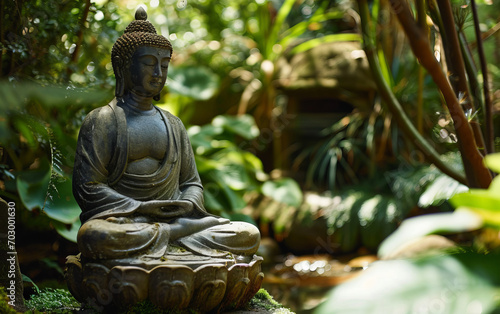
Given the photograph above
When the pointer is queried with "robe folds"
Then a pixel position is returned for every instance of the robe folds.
(105, 191)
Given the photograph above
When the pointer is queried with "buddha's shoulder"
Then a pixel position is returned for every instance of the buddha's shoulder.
(173, 119)
(101, 116)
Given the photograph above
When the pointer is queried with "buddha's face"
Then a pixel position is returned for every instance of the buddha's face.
(148, 71)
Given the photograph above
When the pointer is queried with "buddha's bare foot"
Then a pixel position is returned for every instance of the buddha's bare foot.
(186, 226)
(119, 220)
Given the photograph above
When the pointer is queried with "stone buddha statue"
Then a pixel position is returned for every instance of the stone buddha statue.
(135, 176)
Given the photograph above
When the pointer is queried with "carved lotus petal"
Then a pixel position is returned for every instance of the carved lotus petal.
(95, 284)
(171, 287)
(128, 284)
(210, 286)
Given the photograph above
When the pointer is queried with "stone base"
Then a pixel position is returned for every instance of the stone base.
(174, 283)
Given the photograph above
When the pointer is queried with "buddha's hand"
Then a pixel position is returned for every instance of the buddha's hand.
(166, 208)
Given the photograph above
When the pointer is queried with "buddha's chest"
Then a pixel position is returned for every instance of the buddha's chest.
(147, 137)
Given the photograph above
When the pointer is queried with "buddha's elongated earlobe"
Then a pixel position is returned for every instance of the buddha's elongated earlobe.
(120, 79)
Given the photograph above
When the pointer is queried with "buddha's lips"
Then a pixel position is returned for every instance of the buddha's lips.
(156, 82)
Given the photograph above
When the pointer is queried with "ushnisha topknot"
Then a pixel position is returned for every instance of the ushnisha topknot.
(138, 33)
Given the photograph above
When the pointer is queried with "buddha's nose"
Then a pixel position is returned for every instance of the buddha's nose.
(157, 71)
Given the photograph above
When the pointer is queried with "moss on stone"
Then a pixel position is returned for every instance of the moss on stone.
(4, 303)
(53, 301)
(263, 300)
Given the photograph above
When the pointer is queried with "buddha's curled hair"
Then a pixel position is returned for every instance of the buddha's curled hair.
(138, 33)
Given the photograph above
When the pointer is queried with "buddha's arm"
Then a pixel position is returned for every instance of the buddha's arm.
(189, 181)
(97, 142)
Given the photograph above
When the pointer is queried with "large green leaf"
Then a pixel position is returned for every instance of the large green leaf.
(243, 125)
(378, 217)
(416, 227)
(193, 81)
(462, 283)
(32, 185)
(476, 198)
(492, 161)
(284, 190)
(68, 231)
(439, 190)
(61, 205)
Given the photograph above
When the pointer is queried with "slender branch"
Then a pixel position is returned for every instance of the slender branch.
(475, 94)
(490, 137)
(422, 22)
(79, 34)
(395, 107)
(476, 172)
(454, 57)
(486, 35)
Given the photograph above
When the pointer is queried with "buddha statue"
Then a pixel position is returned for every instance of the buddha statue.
(135, 176)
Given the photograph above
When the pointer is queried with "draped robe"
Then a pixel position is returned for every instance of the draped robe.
(104, 191)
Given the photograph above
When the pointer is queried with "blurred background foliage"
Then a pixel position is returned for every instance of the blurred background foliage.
(278, 98)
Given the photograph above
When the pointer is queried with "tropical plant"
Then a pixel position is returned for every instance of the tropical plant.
(451, 280)
(476, 175)
(229, 172)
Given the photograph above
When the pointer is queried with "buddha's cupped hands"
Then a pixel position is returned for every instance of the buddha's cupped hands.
(166, 208)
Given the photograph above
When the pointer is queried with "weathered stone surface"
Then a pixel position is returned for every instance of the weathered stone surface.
(209, 287)
(145, 233)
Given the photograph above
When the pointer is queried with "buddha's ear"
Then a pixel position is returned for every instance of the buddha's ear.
(120, 79)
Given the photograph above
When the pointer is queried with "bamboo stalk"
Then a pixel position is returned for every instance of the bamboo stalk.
(490, 137)
(422, 22)
(478, 176)
(395, 107)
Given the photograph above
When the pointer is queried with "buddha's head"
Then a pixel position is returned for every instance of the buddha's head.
(140, 58)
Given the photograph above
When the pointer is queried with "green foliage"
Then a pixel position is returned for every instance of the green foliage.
(39, 144)
(53, 301)
(263, 300)
(364, 215)
(449, 282)
(425, 185)
(227, 171)
(198, 83)
(4, 303)
(459, 283)
(284, 190)
(417, 227)
(485, 203)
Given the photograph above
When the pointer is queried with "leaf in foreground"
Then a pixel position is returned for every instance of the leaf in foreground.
(462, 283)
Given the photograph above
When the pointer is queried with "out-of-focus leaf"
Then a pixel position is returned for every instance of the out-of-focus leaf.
(32, 185)
(194, 81)
(325, 39)
(284, 190)
(441, 189)
(61, 204)
(485, 203)
(492, 161)
(460, 283)
(243, 125)
(203, 137)
(378, 217)
(68, 231)
(476, 198)
(416, 227)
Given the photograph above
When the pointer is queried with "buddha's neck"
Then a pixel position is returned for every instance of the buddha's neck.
(138, 101)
